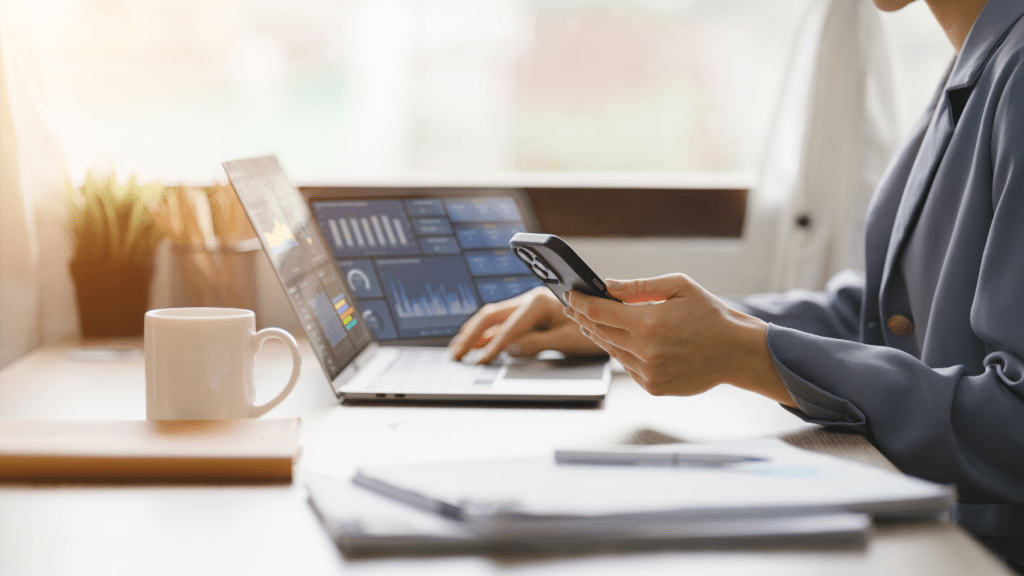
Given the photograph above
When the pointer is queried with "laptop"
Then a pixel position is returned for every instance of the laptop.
(382, 279)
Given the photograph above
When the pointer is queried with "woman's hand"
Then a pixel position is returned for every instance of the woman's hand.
(675, 338)
(523, 326)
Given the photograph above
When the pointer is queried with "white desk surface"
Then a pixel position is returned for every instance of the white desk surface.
(255, 530)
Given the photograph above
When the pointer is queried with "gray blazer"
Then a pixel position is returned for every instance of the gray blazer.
(925, 356)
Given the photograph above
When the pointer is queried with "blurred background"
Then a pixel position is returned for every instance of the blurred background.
(169, 88)
(595, 92)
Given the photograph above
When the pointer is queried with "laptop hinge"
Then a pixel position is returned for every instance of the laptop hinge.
(362, 359)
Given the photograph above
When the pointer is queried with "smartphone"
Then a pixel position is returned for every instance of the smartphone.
(557, 265)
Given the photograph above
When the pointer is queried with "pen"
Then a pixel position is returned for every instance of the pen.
(629, 458)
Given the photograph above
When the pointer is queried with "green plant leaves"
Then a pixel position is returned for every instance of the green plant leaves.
(110, 221)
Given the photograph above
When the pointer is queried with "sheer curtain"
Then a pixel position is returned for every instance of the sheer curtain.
(834, 132)
(19, 289)
(37, 301)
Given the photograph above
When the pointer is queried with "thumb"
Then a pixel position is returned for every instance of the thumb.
(649, 289)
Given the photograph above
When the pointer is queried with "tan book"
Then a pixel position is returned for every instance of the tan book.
(251, 450)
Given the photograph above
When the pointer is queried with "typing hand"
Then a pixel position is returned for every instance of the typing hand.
(522, 326)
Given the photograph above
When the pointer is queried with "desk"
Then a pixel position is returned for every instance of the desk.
(255, 530)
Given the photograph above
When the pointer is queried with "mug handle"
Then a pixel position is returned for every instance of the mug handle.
(261, 337)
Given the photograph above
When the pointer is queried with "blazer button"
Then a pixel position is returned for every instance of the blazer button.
(900, 325)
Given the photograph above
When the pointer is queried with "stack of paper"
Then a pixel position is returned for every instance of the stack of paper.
(746, 492)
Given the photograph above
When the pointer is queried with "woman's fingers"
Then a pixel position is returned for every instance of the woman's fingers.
(619, 337)
(524, 318)
(624, 358)
(631, 362)
(564, 337)
(599, 310)
(649, 289)
(617, 315)
(486, 336)
(475, 332)
(524, 325)
(472, 333)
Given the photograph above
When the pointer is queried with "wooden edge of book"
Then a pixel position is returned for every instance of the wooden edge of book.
(222, 451)
(49, 469)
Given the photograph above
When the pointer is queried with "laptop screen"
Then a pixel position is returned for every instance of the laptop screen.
(421, 263)
(322, 301)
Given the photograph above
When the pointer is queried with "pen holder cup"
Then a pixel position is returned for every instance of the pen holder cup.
(220, 278)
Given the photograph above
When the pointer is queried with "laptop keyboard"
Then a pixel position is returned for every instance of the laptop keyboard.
(430, 369)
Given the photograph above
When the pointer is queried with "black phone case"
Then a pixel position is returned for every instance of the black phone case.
(557, 265)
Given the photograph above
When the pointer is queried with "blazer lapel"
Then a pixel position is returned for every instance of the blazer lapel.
(993, 24)
(940, 130)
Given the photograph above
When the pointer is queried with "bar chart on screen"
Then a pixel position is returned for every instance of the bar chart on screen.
(329, 321)
(424, 265)
(359, 228)
(431, 301)
(428, 293)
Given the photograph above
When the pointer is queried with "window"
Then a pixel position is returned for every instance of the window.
(342, 88)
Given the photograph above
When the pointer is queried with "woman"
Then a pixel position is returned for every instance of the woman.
(924, 356)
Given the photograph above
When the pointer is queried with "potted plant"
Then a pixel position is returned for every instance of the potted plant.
(114, 240)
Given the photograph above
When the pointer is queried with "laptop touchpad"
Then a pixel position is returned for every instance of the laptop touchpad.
(572, 368)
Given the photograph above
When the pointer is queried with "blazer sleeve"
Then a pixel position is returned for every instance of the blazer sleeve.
(835, 312)
(943, 424)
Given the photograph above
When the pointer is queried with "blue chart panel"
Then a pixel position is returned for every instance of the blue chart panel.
(491, 291)
(495, 263)
(439, 245)
(428, 226)
(500, 209)
(487, 235)
(496, 289)
(516, 286)
(376, 315)
(429, 296)
(361, 278)
(328, 318)
(366, 228)
(424, 207)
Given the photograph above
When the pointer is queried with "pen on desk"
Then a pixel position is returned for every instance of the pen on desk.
(651, 458)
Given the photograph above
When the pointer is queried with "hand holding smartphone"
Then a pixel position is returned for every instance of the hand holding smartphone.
(557, 265)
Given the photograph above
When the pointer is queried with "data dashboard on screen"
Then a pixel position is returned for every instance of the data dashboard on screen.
(301, 260)
(420, 266)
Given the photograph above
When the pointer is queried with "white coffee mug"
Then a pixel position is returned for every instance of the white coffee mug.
(200, 364)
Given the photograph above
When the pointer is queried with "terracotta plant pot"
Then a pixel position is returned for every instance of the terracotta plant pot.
(113, 297)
